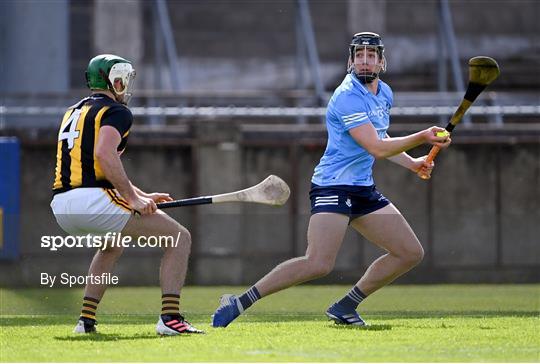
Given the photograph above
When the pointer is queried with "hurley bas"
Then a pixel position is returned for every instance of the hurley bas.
(69, 280)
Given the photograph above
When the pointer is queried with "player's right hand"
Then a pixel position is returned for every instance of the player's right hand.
(420, 165)
(431, 137)
(143, 205)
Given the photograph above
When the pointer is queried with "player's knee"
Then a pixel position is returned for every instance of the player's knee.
(178, 240)
(413, 256)
(184, 237)
(320, 267)
(185, 234)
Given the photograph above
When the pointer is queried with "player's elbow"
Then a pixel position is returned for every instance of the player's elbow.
(101, 154)
(377, 152)
(379, 155)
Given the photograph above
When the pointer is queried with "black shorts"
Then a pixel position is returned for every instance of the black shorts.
(353, 201)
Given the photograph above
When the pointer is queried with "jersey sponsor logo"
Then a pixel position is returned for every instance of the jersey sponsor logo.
(379, 112)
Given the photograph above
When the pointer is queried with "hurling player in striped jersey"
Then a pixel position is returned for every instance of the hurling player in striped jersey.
(92, 193)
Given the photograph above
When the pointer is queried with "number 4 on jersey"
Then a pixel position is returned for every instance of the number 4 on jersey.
(73, 133)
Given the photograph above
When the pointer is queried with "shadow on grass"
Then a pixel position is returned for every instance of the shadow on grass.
(380, 327)
(53, 320)
(270, 317)
(387, 315)
(106, 337)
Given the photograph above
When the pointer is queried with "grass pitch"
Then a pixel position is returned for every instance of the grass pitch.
(448, 323)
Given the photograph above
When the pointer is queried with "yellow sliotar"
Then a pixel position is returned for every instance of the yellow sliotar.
(442, 134)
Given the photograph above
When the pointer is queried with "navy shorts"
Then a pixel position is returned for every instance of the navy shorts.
(353, 201)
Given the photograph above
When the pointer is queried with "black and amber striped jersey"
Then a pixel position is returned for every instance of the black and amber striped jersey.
(76, 165)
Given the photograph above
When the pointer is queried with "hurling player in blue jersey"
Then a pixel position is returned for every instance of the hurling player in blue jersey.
(343, 192)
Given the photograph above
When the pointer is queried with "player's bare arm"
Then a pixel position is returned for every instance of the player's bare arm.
(405, 160)
(414, 164)
(112, 167)
(367, 137)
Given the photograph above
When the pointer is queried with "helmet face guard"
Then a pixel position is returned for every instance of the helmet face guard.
(113, 73)
(365, 42)
(121, 79)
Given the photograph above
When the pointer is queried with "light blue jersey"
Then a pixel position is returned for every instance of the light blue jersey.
(345, 162)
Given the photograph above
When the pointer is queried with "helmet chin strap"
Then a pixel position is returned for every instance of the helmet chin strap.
(362, 77)
(366, 77)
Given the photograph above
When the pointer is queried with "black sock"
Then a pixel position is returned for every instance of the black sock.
(249, 297)
(352, 299)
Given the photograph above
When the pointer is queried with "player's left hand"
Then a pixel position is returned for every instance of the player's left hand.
(437, 136)
(420, 165)
(158, 197)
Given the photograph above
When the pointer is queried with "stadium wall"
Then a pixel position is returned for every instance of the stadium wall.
(477, 217)
(252, 44)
